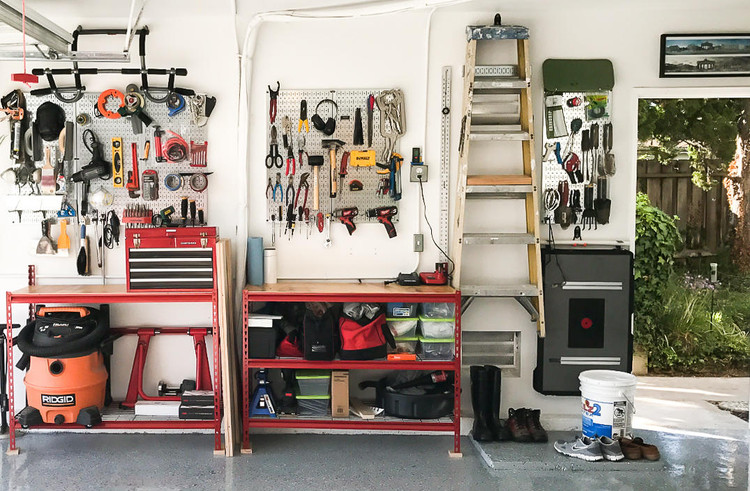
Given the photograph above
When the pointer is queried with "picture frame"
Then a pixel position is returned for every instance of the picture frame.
(704, 55)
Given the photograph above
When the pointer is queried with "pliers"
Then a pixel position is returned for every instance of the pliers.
(274, 157)
(290, 159)
(303, 117)
(273, 95)
(270, 188)
(302, 184)
(301, 150)
(290, 192)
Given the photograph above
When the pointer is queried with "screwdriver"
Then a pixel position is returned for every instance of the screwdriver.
(201, 216)
(184, 209)
(192, 212)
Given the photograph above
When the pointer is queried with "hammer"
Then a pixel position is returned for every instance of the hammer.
(332, 145)
(316, 161)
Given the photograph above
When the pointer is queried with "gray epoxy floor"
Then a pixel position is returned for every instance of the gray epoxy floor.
(295, 462)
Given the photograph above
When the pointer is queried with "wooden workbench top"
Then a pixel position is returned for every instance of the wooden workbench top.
(102, 293)
(325, 288)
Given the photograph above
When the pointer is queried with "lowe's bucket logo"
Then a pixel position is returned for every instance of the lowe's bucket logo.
(592, 409)
(58, 400)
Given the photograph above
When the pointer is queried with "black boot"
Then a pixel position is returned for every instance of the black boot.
(500, 432)
(480, 391)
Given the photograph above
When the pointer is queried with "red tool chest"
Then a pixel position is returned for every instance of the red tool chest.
(164, 259)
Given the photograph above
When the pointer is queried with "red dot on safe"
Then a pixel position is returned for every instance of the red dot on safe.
(586, 323)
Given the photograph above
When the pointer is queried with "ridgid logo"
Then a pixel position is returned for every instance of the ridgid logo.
(58, 400)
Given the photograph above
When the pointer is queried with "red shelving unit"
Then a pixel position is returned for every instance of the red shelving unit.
(110, 294)
(350, 292)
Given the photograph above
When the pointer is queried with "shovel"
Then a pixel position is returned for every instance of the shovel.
(45, 245)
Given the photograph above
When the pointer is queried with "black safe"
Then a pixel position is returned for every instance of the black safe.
(588, 307)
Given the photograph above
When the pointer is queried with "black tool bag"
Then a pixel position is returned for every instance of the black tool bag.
(321, 335)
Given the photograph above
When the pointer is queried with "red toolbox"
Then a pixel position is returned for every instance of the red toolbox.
(165, 259)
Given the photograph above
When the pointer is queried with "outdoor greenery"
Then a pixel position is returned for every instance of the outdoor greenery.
(684, 321)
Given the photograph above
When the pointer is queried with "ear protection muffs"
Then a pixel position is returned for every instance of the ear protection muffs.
(329, 126)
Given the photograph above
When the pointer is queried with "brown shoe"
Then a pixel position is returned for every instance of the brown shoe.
(650, 452)
(538, 434)
(630, 450)
(516, 423)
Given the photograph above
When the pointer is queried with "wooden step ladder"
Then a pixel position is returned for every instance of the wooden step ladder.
(487, 82)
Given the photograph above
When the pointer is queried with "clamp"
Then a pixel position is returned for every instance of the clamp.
(273, 95)
(303, 117)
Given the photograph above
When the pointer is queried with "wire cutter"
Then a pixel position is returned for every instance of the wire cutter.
(274, 157)
(301, 150)
(273, 96)
(290, 160)
(303, 117)
(271, 189)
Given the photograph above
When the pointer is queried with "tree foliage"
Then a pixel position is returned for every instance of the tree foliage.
(704, 129)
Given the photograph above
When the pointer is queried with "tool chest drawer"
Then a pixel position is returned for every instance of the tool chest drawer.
(171, 258)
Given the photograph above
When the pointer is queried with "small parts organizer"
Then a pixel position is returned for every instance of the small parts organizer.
(297, 149)
(577, 160)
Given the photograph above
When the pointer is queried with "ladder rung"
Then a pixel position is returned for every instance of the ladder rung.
(501, 83)
(490, 33)
(496, 71)
(498, 180)
(522, 290)
(491, 132)
(498, 238)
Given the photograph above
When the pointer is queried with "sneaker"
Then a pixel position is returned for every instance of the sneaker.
(534, 426)
(516, 423)
(610, 449)
(581, 448)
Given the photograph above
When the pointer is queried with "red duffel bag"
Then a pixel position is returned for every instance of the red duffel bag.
(364, 339)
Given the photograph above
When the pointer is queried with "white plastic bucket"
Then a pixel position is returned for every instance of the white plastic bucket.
(607, 405)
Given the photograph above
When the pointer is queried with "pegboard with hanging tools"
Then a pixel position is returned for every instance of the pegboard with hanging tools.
(332, 154)
(577, 160)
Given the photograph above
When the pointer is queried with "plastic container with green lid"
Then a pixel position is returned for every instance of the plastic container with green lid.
(437, 327)
(313, 405)
(313, 382)
(402, 327)
(404, 345)
(442, 349)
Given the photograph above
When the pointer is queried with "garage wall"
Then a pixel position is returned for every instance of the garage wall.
(382, 51)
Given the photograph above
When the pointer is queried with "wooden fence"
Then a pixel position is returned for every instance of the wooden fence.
(705, 219)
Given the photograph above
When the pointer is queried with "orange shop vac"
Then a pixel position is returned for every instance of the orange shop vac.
(66, 351)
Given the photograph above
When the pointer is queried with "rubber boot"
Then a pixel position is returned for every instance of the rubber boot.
(500, 432)
(480, 389)
(517, 425)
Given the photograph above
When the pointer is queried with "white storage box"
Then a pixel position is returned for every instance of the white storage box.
(437, 349)
(439, 310)
(403, 327)
(437, 328)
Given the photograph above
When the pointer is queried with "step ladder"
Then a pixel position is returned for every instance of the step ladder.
(484, 88)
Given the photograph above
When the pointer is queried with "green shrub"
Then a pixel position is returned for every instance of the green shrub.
(657, 239)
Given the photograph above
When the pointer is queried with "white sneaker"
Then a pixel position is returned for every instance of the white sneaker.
(581, 448)
(610, 449)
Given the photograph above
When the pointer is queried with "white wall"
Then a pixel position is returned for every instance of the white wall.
(389, 51)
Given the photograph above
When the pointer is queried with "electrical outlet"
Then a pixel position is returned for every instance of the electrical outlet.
(418, 171)
(418, 243)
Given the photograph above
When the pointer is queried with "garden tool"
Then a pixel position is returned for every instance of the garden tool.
(589, 215)
(602, 204)
(563, 212)
(609, 158)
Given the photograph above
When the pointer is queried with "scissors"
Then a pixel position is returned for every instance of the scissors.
(274, 157)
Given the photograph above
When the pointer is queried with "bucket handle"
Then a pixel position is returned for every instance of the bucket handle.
(629, 401)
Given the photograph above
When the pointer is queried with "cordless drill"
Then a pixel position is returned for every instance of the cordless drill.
(346, 216)
(384, 215)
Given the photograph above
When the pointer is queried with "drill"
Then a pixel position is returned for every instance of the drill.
(384, 215)
(346, 216)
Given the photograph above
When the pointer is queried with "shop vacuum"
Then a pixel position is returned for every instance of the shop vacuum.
(66, 351)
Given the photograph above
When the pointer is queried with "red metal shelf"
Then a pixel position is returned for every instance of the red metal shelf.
(351, 364)
(102, 294)
(167, 424)
(343, 424)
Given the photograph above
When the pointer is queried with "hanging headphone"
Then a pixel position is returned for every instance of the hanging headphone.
(330, 125)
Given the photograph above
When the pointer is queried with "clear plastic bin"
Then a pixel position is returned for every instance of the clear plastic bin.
(439, 310)
(401, 309)
(405, 345)
(313, 382)
(313, 405)
(436, 349)
(402, 327)
(436, 328)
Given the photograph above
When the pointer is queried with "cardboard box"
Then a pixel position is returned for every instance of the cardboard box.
(340, 394)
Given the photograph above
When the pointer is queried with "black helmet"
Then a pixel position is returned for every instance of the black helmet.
(50, 120)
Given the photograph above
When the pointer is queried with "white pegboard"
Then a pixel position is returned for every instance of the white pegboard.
(552, 172)
(106, 129)
(288, 104)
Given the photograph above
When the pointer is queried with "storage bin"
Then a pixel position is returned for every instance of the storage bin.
(439, 310)
(403, 327)
(401, 309)
(436, 349)
(437, 328)
(313, 382)
(313, 405)
(405, 345)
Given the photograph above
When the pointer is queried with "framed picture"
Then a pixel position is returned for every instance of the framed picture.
(704, 55)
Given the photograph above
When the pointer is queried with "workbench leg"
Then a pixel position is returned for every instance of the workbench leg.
(245, 409)
(217, 372)
(12, 450)
(456, 453)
